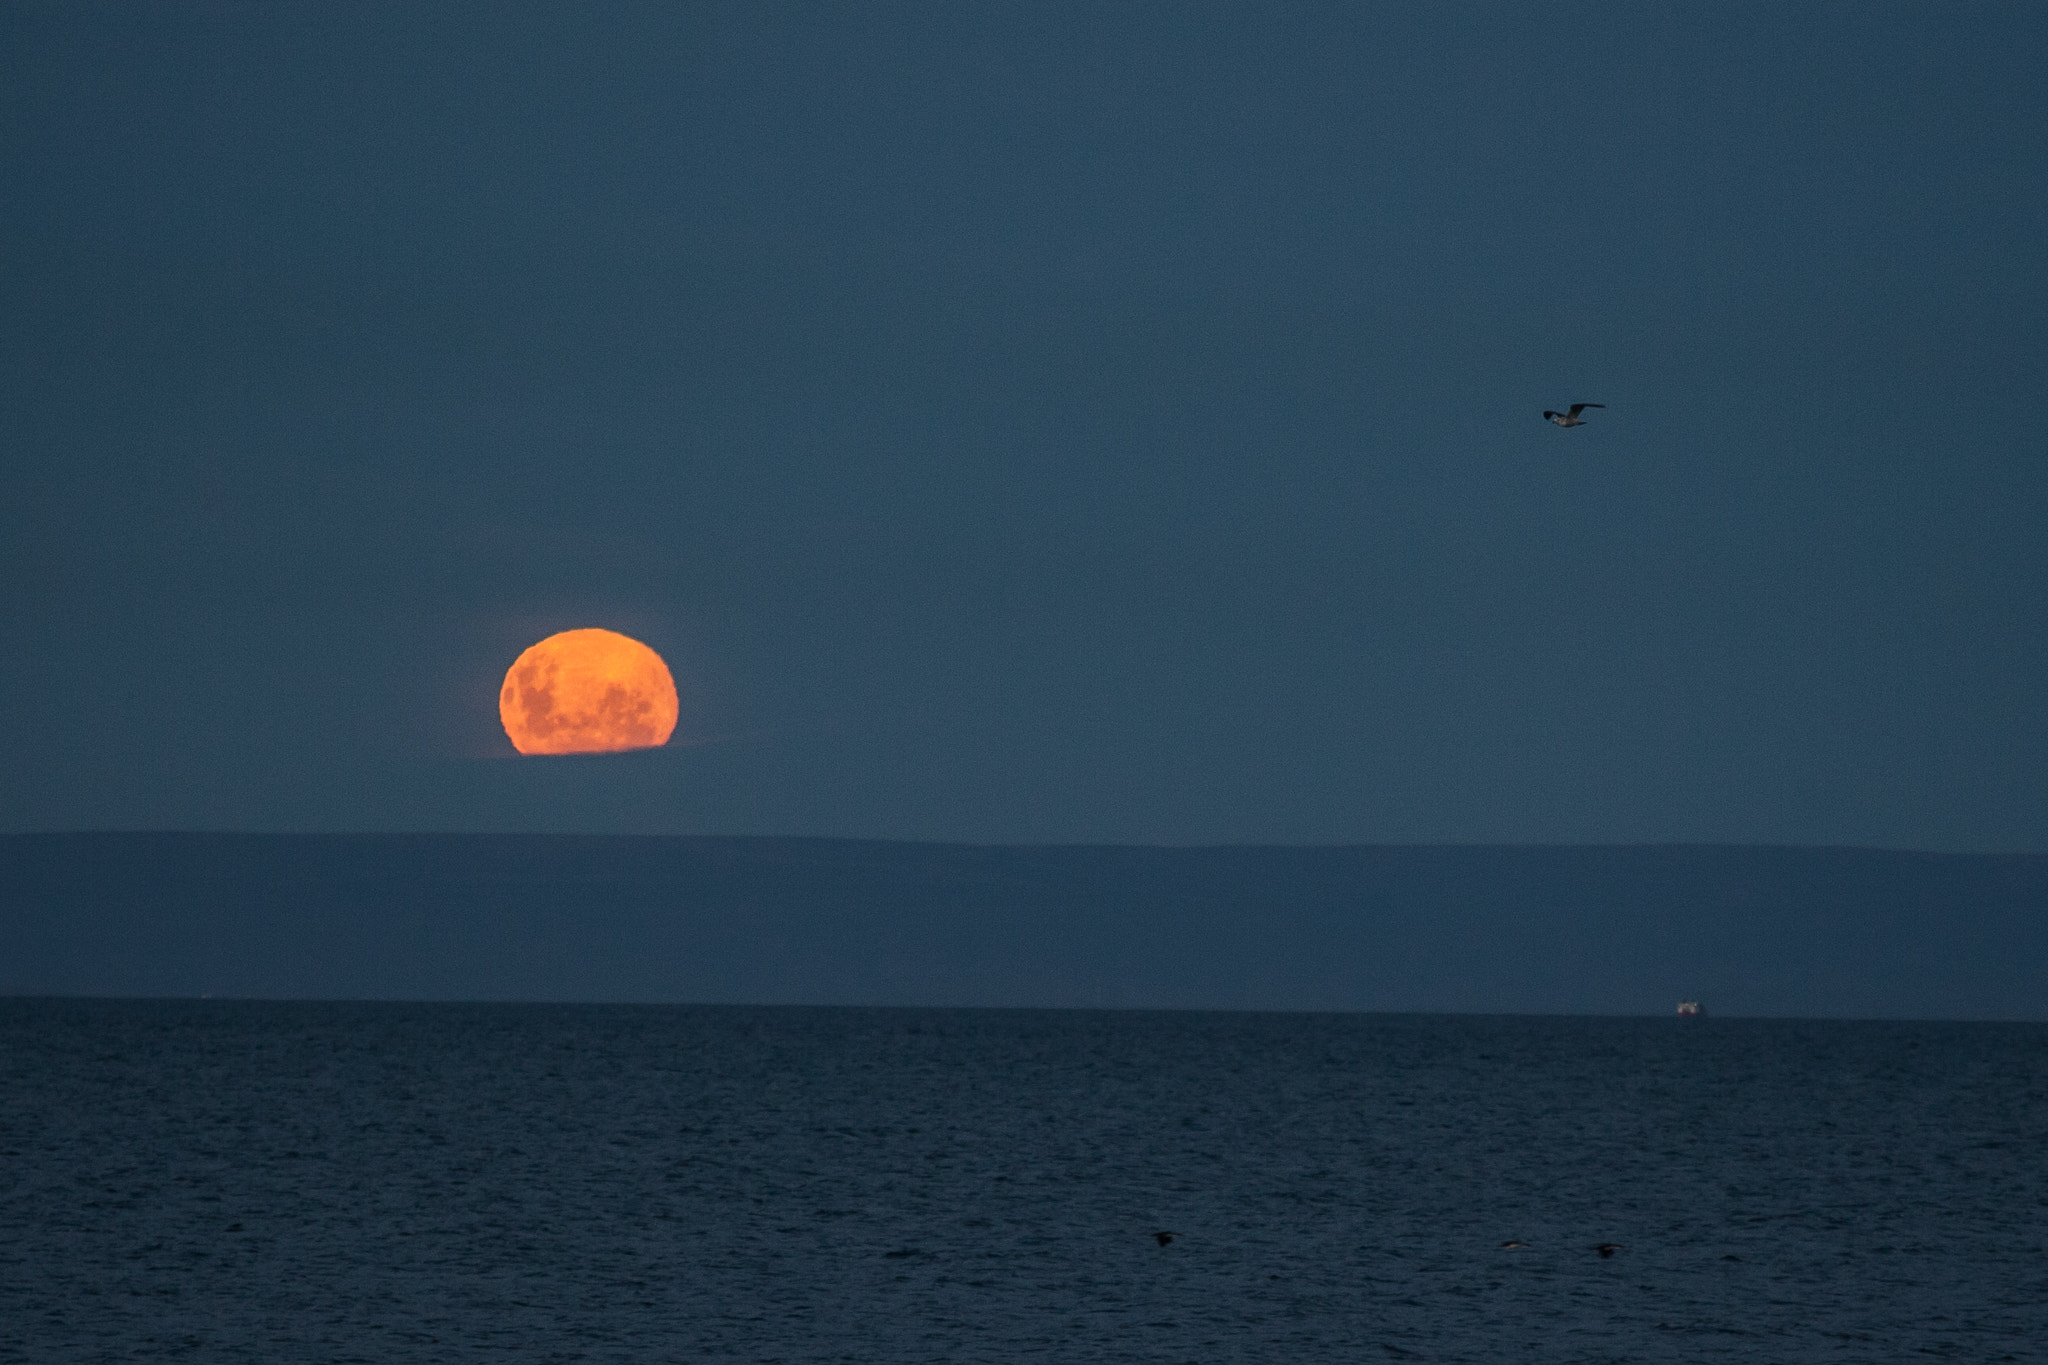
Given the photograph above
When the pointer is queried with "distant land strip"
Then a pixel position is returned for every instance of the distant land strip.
(1758, 931)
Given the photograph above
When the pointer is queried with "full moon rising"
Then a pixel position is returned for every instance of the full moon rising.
(588, 692)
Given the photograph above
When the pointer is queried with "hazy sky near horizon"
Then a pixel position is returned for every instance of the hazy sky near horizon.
(1033, 422)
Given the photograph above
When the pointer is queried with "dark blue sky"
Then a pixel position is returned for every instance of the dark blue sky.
(1033, 422)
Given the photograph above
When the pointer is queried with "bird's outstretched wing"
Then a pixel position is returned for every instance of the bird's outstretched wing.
(1578, 408)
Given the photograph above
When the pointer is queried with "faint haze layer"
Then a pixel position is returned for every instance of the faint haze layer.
(1757, 931)
(1033, 423)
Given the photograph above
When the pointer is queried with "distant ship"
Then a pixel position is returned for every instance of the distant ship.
(1689, 1009)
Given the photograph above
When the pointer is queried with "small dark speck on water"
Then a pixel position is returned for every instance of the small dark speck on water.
(558, 1183)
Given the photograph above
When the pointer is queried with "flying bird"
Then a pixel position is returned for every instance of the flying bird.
(1164, 1237)
(1514, 1246)
(1607, 1249)
(1571, 418)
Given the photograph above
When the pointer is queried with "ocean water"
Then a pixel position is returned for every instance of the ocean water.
(380, 1182)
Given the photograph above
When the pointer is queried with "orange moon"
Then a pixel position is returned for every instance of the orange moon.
(588, 692)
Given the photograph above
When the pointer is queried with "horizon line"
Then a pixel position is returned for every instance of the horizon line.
(1050, 845)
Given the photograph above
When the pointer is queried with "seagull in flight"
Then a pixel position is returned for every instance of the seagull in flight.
(1571, 418)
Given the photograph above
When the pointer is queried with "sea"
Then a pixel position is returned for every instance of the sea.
(253, 1181)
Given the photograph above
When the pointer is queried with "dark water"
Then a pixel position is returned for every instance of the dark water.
(451, 1183)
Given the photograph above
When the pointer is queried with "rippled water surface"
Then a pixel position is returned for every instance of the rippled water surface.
(443, 1182)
